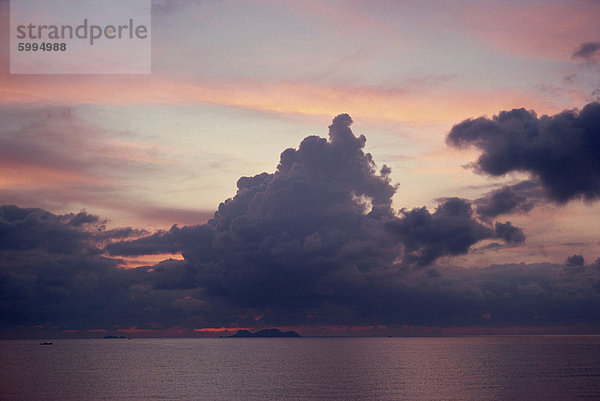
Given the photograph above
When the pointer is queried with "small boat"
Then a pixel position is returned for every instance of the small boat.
(45, 343)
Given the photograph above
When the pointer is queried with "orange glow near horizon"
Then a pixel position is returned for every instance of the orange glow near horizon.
(577, 328)
(221, 329)
(409, 330)
(131, 262)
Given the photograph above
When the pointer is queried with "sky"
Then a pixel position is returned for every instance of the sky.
(337, 168)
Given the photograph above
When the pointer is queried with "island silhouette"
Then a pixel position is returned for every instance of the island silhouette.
(264, 333)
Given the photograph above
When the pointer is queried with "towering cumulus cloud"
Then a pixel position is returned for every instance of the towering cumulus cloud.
(307, 234)
(314, 243)
(560, 151)
(283, 235)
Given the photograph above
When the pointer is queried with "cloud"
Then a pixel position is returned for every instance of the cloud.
(25, 229)
(575, 260)
(328, 196)
(450, 230)
(509, 233)
(314, 243)
(518, 198)
(52, 271)
(302, 240)
(284, 235)
(36, 229)
(587, 51)
(559, 151)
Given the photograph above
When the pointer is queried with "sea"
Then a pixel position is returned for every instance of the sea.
(561, 367)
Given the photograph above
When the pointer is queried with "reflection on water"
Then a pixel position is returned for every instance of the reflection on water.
(465, 368)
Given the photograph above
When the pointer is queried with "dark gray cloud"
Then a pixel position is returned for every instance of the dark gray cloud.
(509, 233)
(306, 239)
(52, 271)
(326, 196)
(314, 243)
(25, 229)
(559, 151)
(587, 51)
(71, 291)
(518, 198)
(36, 229)
(575, 260)
(284, 235)
(450, 230)
(82, 218)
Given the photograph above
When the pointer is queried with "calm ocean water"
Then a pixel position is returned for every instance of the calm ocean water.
(464, 368)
